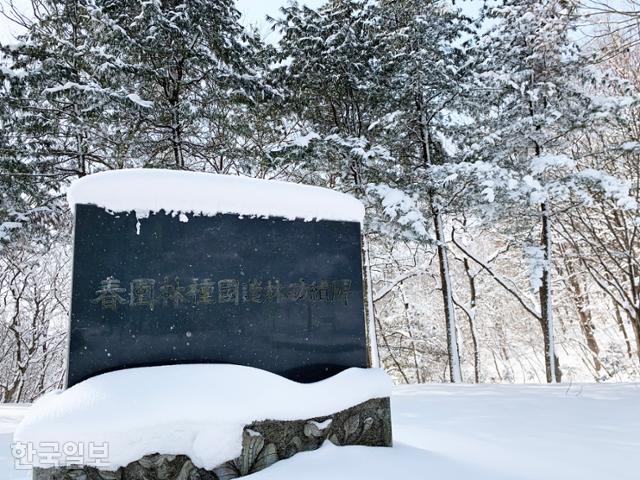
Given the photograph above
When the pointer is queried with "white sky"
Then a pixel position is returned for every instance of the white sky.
(253, 12)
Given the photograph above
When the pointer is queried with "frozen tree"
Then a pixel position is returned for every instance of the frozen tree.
(601, 239)
(601, 19)
(327, 62)
(52, 108)
(375, 85)
(33, 314)
(426, 80)
(61, 89)
(120, 83)
(533, 86)
(189, 62)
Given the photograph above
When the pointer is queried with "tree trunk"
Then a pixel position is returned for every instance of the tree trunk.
(585, 319)
(176, 139)
(552, 366)
(407, 321)
(635, 323)
(471, 317)
(374, 355)
(385, 341)
(455, 373)
(623, 330)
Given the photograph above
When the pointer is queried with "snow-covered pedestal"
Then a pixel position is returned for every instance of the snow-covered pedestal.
(195, 422)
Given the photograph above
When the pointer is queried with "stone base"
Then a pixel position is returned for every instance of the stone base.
(263, 444)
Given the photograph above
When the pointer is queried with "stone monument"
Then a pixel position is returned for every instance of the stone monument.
(276, 294)
(274, 282)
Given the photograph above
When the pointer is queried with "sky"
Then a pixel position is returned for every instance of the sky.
(253, 12)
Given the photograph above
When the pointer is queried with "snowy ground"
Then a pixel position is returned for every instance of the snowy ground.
(471, 432)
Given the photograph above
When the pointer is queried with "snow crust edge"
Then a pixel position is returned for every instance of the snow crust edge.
(152, 190)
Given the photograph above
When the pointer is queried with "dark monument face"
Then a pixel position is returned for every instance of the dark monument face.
(280, 295)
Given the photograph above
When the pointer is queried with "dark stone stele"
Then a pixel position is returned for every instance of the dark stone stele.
(281, 295)
(263, 444)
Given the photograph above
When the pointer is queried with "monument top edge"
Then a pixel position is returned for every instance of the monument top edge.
(152, 190)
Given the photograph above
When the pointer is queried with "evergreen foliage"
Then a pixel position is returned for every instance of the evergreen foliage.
(496, 157)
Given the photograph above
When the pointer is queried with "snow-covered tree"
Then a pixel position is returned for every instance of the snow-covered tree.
(426, 80)
(189, 63)
(602, 240)
(52, 108)
(534, 99)
(374, 85)
(34, 277)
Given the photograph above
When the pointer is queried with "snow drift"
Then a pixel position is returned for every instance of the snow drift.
(195, 410)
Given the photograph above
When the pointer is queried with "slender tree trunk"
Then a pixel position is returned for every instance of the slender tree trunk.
(471, 318)
(635, 323)
(407, 321)
(81, 161)
(374, 355)
(552, 366)
(177, 139)
(623, 330)
(496, 366)
(385, 341)
(455, 373)
(580, 301)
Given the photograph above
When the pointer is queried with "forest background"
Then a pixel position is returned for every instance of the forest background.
(495, 145)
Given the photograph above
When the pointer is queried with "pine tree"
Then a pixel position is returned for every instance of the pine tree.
(426, 82)
(63, 92)
(191, 63)
(373, 84)
(327, 65)
(51, 112)
(117, 83)
(533, 100)
(109, 84)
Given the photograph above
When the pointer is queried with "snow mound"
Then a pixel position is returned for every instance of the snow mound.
(196, 410)
(151, 190)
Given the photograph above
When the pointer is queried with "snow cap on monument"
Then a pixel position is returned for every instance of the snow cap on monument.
(152, 190)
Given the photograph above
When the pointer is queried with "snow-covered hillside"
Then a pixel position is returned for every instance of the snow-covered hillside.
(564, 432)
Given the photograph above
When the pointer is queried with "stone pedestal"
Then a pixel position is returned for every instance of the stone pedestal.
(263, 444)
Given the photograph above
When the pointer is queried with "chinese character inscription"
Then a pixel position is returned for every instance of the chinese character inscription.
(202, 292)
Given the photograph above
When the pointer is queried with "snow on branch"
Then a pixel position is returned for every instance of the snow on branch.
(401, 207)
(611, 187)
